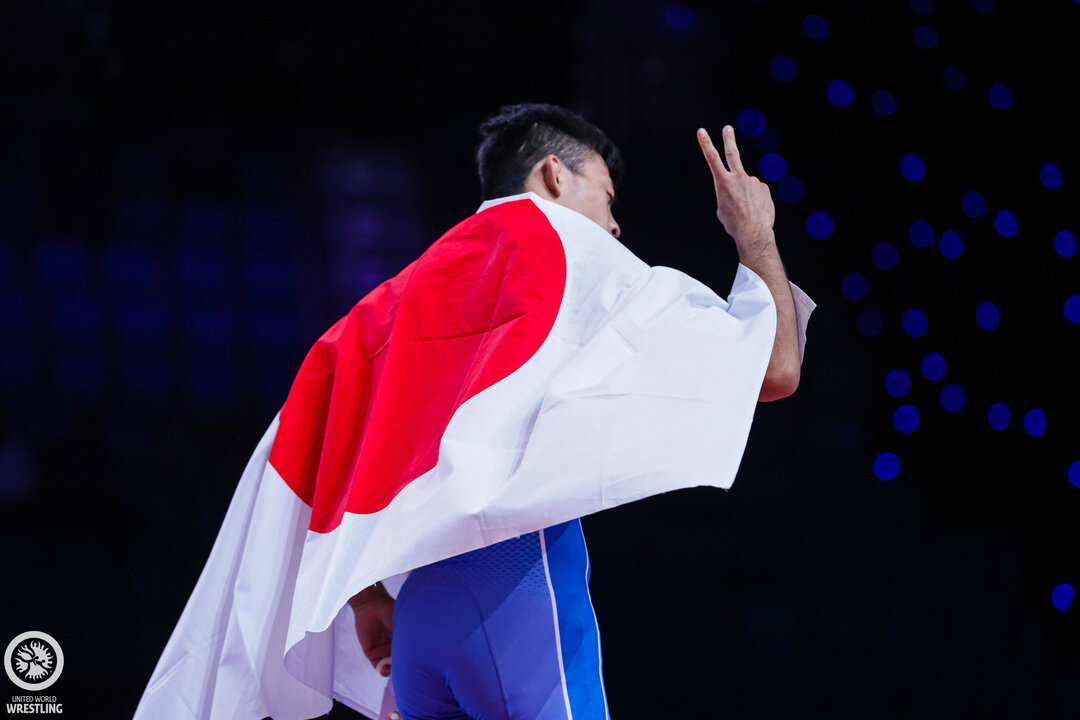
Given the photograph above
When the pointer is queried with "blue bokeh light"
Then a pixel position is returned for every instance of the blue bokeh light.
(912, 167)
(886, 466)
(816, 27)
(1062, 596)
(751, 122)
(922, 7)
(925, 37)
(951, 245)
(772, 166)
(1074, 473)
(987, 316)
(885, 256)
(1065, 244)
(953, 79)
(783, 68)
(952, 398)
(906, 419)
(1005, 224)
(1000, 97)
(854, 286)
(819, 225)
(1035, 422)
(791, 189)
(870, 322)
(974, 204)
(983, 6)
(921, 234)
(840, 93)
(678, 16)
(883, 102)
(933, 366)
(1050, 176)
(1072, 309)
(999, 416)
(897, 383)
(915, 323)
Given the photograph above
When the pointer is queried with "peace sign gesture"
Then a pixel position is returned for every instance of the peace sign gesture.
(743, 203)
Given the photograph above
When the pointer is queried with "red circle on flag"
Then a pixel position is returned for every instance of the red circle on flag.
(369, 406)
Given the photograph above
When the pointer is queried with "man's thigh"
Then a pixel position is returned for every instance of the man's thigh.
(449, 662)
(499, 635)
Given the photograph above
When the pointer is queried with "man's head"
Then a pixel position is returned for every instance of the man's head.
(553, 152)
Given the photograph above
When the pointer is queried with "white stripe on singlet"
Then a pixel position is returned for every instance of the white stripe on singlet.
(555, 616)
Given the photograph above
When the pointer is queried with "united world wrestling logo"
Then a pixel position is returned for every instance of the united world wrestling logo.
(34, 660)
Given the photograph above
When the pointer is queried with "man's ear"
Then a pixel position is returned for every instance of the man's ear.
(551, 174)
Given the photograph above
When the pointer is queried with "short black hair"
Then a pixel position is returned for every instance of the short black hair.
(519, 136)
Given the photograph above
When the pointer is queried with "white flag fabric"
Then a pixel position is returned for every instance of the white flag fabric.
(526, 370)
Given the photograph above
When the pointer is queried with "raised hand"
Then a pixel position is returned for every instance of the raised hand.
(745, 207)
(743, 203)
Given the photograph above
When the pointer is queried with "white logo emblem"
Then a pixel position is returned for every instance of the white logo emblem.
(34, 660)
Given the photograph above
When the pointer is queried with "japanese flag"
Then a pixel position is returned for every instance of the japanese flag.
(527, 369)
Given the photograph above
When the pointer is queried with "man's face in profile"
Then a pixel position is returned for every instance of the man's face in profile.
(591, 193)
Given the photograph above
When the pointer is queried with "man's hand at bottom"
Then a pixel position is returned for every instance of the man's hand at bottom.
(374, 611)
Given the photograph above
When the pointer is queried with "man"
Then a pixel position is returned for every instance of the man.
(440, 442)
(474, 633)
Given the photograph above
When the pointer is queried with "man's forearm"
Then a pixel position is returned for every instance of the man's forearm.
(744, 205)
(762, 256)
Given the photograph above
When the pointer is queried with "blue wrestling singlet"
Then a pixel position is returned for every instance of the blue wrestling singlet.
(506, 632)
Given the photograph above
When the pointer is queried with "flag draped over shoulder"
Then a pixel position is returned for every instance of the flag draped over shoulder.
(527, 369)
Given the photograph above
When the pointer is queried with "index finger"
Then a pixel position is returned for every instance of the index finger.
(732, 150)
(712, 155)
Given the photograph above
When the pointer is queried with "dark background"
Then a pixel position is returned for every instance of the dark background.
(190, 193)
